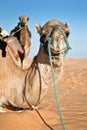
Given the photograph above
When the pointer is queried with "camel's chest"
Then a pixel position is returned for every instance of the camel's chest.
(24, 37)
(44, 72)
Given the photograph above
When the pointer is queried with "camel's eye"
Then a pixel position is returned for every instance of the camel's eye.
(42, 39)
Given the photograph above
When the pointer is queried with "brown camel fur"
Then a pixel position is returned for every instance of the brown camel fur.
(26, 88)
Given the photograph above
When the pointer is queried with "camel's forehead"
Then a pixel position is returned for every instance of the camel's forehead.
(49, 24)
(52, 23)
(23, 17)
(56, 33)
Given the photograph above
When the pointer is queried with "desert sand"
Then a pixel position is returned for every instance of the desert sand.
(72, 91)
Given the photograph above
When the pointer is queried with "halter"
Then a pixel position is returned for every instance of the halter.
(64, 51)
(20, 28)
(17, 30)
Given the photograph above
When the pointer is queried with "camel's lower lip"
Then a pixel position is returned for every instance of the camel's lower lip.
(54, 51)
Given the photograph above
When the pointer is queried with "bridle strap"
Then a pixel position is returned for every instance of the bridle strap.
(17, 31)
(66, 41)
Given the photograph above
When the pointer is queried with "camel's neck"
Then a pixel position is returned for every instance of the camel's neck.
(25, 36)
(44, 66)
(39, 78)
(42, 57)
(43, 62)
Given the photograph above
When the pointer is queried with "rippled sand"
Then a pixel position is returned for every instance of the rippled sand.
(72, 90)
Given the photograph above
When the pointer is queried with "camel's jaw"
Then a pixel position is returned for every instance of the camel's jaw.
(57, 47)
(54, 47)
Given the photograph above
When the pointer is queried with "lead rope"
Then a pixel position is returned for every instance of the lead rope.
(20, 28)
(55, 89)
(43, 120)
(17, 31)
(32, 107)
(37, 111)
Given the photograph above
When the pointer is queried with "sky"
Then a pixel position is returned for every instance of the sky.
(40, 11)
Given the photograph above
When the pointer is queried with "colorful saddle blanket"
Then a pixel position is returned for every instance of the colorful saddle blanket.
(14, 45)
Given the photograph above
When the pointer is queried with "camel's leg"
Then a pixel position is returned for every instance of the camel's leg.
(20, 111)
(3, 102)
(25, 60)
(26, 49)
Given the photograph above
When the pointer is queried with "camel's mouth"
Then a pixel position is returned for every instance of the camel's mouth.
(23, 24)
(58, 46)
(57, 52)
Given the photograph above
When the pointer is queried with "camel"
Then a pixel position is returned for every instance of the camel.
(25, 89)
(23, 34)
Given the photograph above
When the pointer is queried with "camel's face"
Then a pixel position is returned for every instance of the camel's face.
(56, 39)
(23, 20)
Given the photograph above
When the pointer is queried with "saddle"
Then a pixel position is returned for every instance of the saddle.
(14, 45)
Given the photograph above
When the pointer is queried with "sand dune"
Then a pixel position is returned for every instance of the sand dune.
(72, 90)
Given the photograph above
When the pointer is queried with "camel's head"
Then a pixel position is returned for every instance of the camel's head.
(55, 34)
(23, 20)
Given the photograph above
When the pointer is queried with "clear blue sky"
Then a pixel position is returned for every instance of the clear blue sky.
(40, 11)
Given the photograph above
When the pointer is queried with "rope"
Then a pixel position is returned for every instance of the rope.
(43, 120)
(36, 110)
(55, 89)
(32, 107)
(67, 43)
(17, 31)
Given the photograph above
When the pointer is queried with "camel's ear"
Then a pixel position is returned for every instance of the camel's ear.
(19, 18)
(27, 18)
(67, 25)
(67, 29)
(38, 28)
